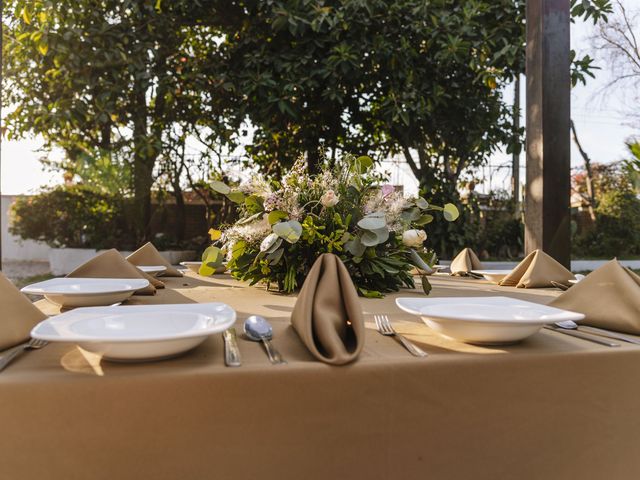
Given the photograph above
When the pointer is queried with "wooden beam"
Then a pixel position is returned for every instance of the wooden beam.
(547, 207)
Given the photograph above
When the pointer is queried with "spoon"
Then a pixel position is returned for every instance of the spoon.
(571, 325)
(258, 329)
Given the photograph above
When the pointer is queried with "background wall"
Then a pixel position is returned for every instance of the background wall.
(13, 248)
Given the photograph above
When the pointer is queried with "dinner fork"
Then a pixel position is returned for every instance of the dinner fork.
(385, 328)
(33, 344)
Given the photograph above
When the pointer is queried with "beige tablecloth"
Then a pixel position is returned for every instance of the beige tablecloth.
(552, 407)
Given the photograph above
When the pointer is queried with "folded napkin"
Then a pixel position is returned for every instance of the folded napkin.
(149, 255)
(609, 297)
(327, 315)
(537, 270)
(464, 262)
(18, 317)
(111, 264)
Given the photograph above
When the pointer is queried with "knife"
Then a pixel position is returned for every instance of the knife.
(231, 350)
(608, 334)
(584, 336)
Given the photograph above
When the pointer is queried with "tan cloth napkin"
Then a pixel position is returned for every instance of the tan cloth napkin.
(327, 315)
(608, 296)
(18, 316)
(111, 264)
(149, 255)
(537, 270)
(464, 262)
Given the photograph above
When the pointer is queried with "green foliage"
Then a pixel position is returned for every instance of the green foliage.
(342, 210)
(74, 217)
(616, 232)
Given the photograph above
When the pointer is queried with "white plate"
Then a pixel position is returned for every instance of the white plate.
(494, 276)
(139, 332)
(195, 267)
(152, 270)
(485, 320)
(579, 278)
(86, 292)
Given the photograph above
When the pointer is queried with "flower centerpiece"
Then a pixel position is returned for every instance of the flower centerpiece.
(346, 209)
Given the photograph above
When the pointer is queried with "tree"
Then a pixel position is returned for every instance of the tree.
(617, 41)
(107, 80)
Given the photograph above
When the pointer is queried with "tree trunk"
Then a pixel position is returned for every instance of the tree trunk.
(144, 160)
(181, 220)
(313, 156)
(587, 166)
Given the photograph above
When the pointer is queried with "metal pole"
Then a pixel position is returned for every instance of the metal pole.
(515, 163)
(547, 209)
(1, 122)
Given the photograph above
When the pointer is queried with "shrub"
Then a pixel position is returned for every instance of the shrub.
(75, 217)
(617, 228)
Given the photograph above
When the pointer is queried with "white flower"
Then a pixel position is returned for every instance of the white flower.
(329, 199)
(414, 238)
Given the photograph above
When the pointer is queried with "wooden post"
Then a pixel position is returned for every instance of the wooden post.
(515, 160)
(547, 208)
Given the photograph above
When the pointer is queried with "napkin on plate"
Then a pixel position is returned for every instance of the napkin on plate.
(18, 317)
(464, 262)
(111, 264)
(609, 297)
(537, 270)
(327, 315)
(149, 255)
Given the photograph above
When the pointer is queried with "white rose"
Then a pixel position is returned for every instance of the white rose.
(329, 199)
(414, 238)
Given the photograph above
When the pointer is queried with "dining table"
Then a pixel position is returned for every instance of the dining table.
(549, 407)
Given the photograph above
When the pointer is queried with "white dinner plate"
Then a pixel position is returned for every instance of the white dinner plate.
(494, 276)
(195, 267)
(485, 320)
(153, 270)
(86, 292)
(139, 332)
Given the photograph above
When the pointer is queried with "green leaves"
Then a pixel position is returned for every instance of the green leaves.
(212, 259)
(220, 187)
(373, 221)
(276, 215)
(450, 212)
(289, 231)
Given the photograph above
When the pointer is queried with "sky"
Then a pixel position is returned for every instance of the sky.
(600, 122)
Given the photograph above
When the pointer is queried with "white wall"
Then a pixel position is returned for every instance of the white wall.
(13, 248)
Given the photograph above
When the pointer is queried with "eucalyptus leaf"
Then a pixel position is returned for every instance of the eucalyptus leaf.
(426, 285)
(275, 256)
(421, 203)
(290, 231)
(364, 163)
(411, 215)
(269, 241)
(235, 196)
(276, 216)
(250, 219)
(450, 212)
(355, 247)
(220, 187)
(423, 220)
(419, 263)
(212, 256)
(373, 221)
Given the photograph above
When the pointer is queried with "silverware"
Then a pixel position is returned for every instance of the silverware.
(258, 329)
(561, 286)
(582, 335)
(571, 325)
(385, 328)
(32, 344)
(231, 350)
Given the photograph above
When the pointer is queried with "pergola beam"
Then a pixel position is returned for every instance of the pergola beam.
(547, 213)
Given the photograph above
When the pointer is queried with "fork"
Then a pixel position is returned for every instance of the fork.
(385, 328)
(32, 344)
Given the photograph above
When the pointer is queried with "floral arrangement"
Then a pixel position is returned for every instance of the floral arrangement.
(346, 209)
